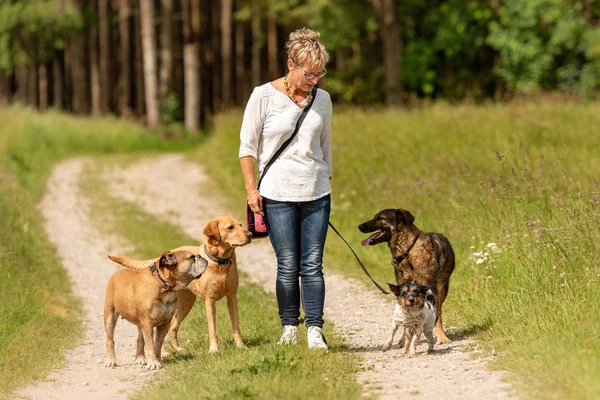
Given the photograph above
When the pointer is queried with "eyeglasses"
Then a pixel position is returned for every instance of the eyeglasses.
(311, 76)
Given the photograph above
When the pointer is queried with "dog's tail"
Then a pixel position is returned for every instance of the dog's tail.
(137, 265)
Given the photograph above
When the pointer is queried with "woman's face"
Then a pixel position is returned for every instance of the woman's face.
(307, 76)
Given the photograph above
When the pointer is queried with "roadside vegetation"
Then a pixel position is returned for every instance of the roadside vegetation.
(515, 188)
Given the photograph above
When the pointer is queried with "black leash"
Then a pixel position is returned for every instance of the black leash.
(359, 261)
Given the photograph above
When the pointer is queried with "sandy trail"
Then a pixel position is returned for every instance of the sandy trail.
(448, 373)
(83, 252)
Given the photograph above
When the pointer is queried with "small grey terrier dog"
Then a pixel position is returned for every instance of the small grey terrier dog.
(414, 313)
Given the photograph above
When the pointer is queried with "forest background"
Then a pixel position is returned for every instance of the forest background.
(177, 62)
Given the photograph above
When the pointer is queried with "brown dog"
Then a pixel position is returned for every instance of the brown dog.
(423, 257)
(221, 236)
(147, 299)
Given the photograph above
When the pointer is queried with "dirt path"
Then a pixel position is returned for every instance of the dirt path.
(448, 373)
(83, 251)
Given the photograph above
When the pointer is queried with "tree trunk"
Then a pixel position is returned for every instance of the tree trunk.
(191, 63)
(241, 84)
(79, 82)
(256, 47)
(139, 103)
(33, 83)
(215, 49)
(4, 88)
(226, 11)
(21, 78)
(125, 78)
(166, 49)
(95, 85)
(149, 59)
(387, 12)
(105, 56)
(57, 82)
(272, 46)
(43, 86)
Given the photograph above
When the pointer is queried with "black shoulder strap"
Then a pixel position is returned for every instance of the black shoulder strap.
(287, 142)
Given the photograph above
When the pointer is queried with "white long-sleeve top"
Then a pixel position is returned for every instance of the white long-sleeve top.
(302, 171)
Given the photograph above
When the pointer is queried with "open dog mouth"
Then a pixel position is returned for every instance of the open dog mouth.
(376, 238)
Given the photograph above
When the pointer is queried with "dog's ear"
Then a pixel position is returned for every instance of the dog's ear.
(212, 230)
(395, 289)
(168, 259)
(429, 294)
(405, 217)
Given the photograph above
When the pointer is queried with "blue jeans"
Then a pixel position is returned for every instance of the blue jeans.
(298, 231)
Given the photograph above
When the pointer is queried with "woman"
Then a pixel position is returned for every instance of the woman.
(294, 195)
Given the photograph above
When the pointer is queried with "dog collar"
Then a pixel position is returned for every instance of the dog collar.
(398, 259)
(160, 280)
(216, 259)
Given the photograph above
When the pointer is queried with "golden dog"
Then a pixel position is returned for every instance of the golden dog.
(147, 298)
(221, 236)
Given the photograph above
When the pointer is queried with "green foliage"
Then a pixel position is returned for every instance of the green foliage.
(170, 109)
(541, 45)
(32, 30)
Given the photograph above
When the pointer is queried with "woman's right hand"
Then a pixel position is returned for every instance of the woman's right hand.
(255, 201)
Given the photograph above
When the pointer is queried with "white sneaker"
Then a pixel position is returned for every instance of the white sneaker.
(289, 335)
(316, 340)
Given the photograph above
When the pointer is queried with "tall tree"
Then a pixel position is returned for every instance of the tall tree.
(43, 87)
(226, 53)
(105, 58)
(95, 82)
(57, 81)
(241, 83)
(166, 49)
(256, 45)
(272, 43)
(387, 14)
(125, 77)
(149, 61)
(191, 62)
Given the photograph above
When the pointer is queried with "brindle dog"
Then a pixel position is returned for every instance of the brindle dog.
(423, 257)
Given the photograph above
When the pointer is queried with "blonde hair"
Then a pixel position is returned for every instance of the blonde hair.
(303, 46)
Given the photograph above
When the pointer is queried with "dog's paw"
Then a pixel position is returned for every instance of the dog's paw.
(213, 349)
(154, 365)
(386, 347)
(241, 345)
(110, 363)
(141, 360)
(443, 340)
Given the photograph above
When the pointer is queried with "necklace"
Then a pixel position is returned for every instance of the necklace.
(308, 99)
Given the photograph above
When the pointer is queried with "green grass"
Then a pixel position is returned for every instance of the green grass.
(524, 176)
(264, 370)
(39, 316)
